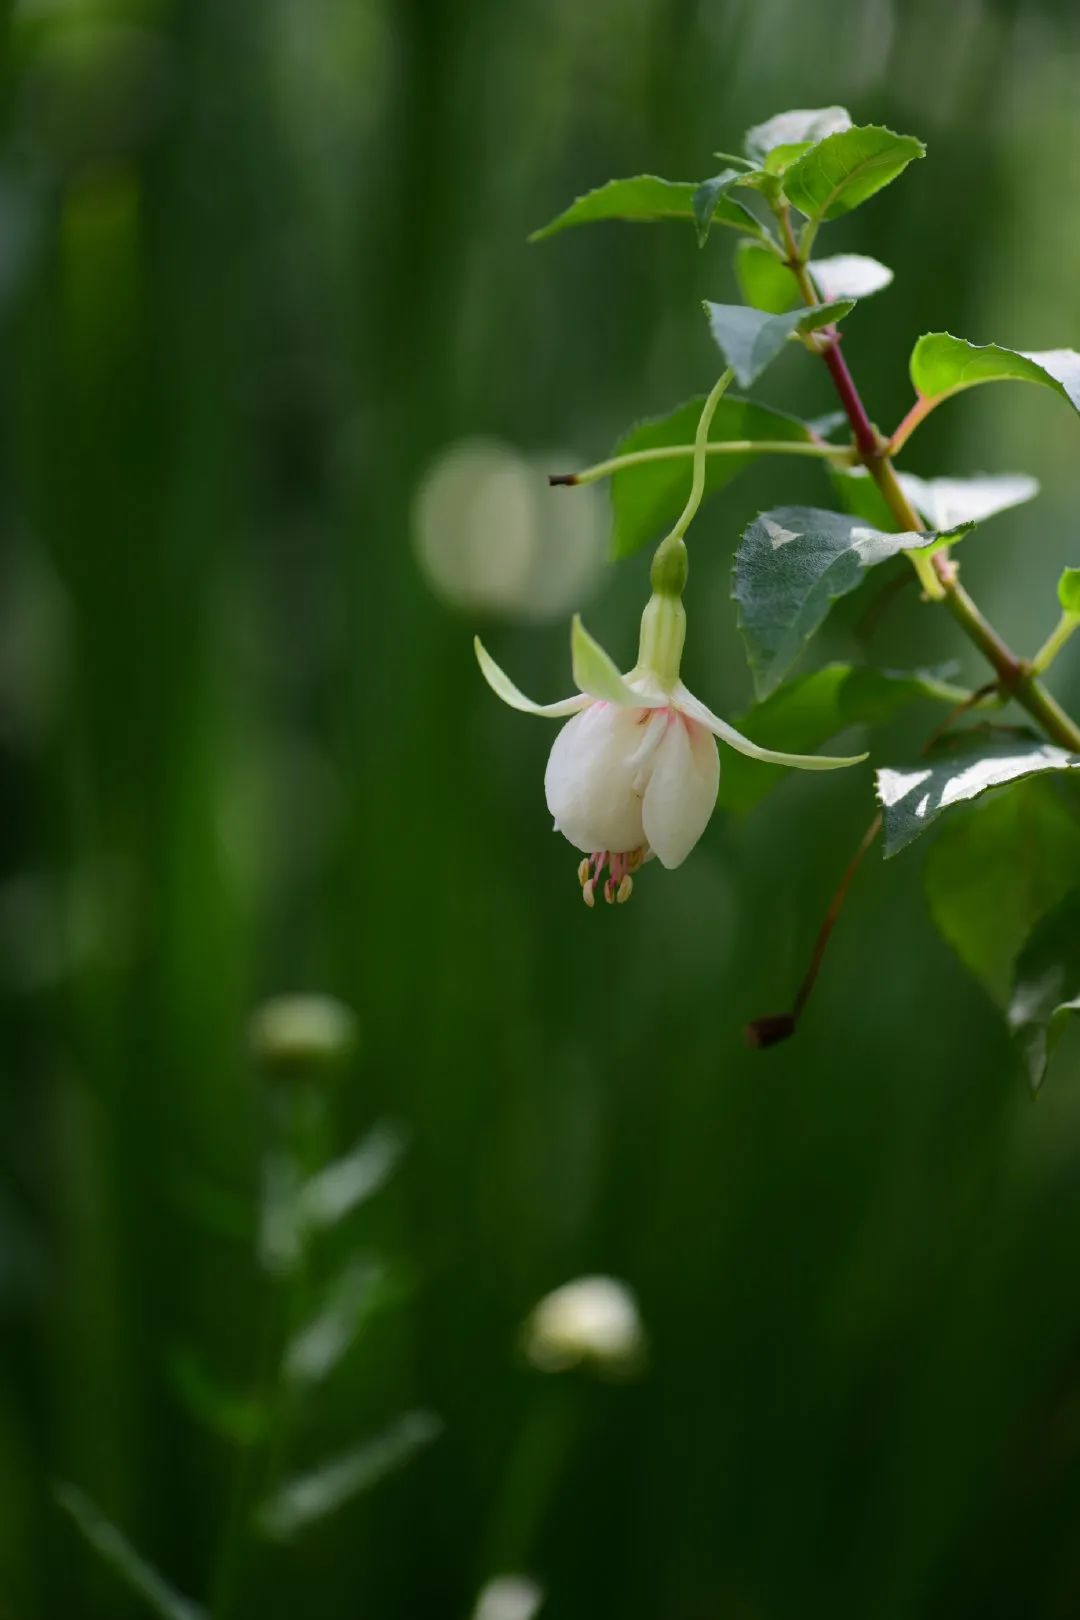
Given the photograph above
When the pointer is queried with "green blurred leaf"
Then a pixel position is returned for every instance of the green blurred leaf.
(912, 797)
(307, 1498)
(764, 279)
(236, 1418)
(843, 170)
(791, 565)
(797, 129)
(352, 1299)
(335, 1191)
(942, 365)
(713, 200)
(803, 714)
(749, 339)
(848, 275)
(644, 199)
(127, 1564)
(994, 869)
(647, 499)
(1069, 590)
(1046, 988)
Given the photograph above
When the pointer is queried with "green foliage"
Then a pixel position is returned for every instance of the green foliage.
(791, 565)
(942, 502)
(764, 279)
(913, 797)
(845, 169)
(804, 714)
(129, 1566)
(993, 869)
(942, 365)
(713, 200)
(646, 499)
(644, 199)
(750, 339)
(787, 135)
(1069, 591)
(1046, 988)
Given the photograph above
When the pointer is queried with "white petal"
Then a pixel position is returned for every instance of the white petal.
(503, 687)
(682, 790)
(595, 673)
(690, 705)
(590, 777)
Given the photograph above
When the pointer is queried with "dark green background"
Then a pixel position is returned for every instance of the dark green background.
(259, 261)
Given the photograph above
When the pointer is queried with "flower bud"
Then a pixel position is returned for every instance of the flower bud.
(593, 1320)
(299, 1034)
(509, 1597)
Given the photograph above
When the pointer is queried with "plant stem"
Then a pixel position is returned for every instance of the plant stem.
(1055, 641)
(701, 440)
(674, 452)
(1016, 677)
(918, 413)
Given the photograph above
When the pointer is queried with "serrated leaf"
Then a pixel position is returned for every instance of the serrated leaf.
(848, 275)
(994, 868)
(803, 714)
(749, 339)
(129, 1566)
(1046, 988)
(845, 169)
(799, 128)
(307, 1498)
(647, 499)
(792, 564)
(1069, 591)
(643, 199)
(942, 502)
(713, 200)
(764, 279)
(913, 797)
(942, 365)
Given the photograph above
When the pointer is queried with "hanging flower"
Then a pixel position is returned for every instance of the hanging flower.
(635, 771)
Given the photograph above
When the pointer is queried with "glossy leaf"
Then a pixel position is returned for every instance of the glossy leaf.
(647, 499)
(1046, 987)
(130, 1567)
(845, 169)
(792, 564)
(913, 797)
(799, 128)
(942, 502)
(1069, 591)
(942, 365)
(750, 339)
(643, 199)
(803, 714)
(307, 1498)
(848, 275)
(764, 280)
(713, 200)
(994, 868)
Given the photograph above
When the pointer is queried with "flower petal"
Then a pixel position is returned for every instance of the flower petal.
(682, 788)
(590, 781)
(690, 705)
(595, 673)
(504, 687)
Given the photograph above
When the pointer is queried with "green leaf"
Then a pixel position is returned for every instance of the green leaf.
(116, 1550)
(339, 1188)
(239, 1419)
(764, 279)
(994, 869)
(307, 1498)
(845, 169)
(848, 275)
(799, 128)
(647, 499)
(913, 797)
(942, 502)
(713, 200)
(803, 714)
(1069, 591)
(749, 339)
(1046, 988)
(942, 365)
(350, 1302)
(792, 564)
(644, 199)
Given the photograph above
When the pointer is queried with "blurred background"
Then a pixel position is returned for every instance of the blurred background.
(282, 383)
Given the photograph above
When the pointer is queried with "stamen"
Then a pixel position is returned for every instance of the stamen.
(583, 872)
(626, 889)
(587, 893)
(609, 891)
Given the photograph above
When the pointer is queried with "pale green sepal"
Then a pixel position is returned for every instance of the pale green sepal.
(595, 673)
(504, 688)
(694, 709)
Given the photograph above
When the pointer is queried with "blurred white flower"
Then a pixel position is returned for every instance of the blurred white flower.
(491, 535)
(592, 1320)
(509, 1597)
(302, 1031)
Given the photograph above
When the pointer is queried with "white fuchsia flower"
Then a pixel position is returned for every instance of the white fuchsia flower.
(635, 771)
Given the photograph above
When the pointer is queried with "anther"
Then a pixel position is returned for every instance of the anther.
(625, 890)
(587, 892)
(583, 872)
(609, 891)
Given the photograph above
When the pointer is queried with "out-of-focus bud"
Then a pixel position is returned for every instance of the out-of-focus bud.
(593, 1321)
(509, 1597)
(302, 1034)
